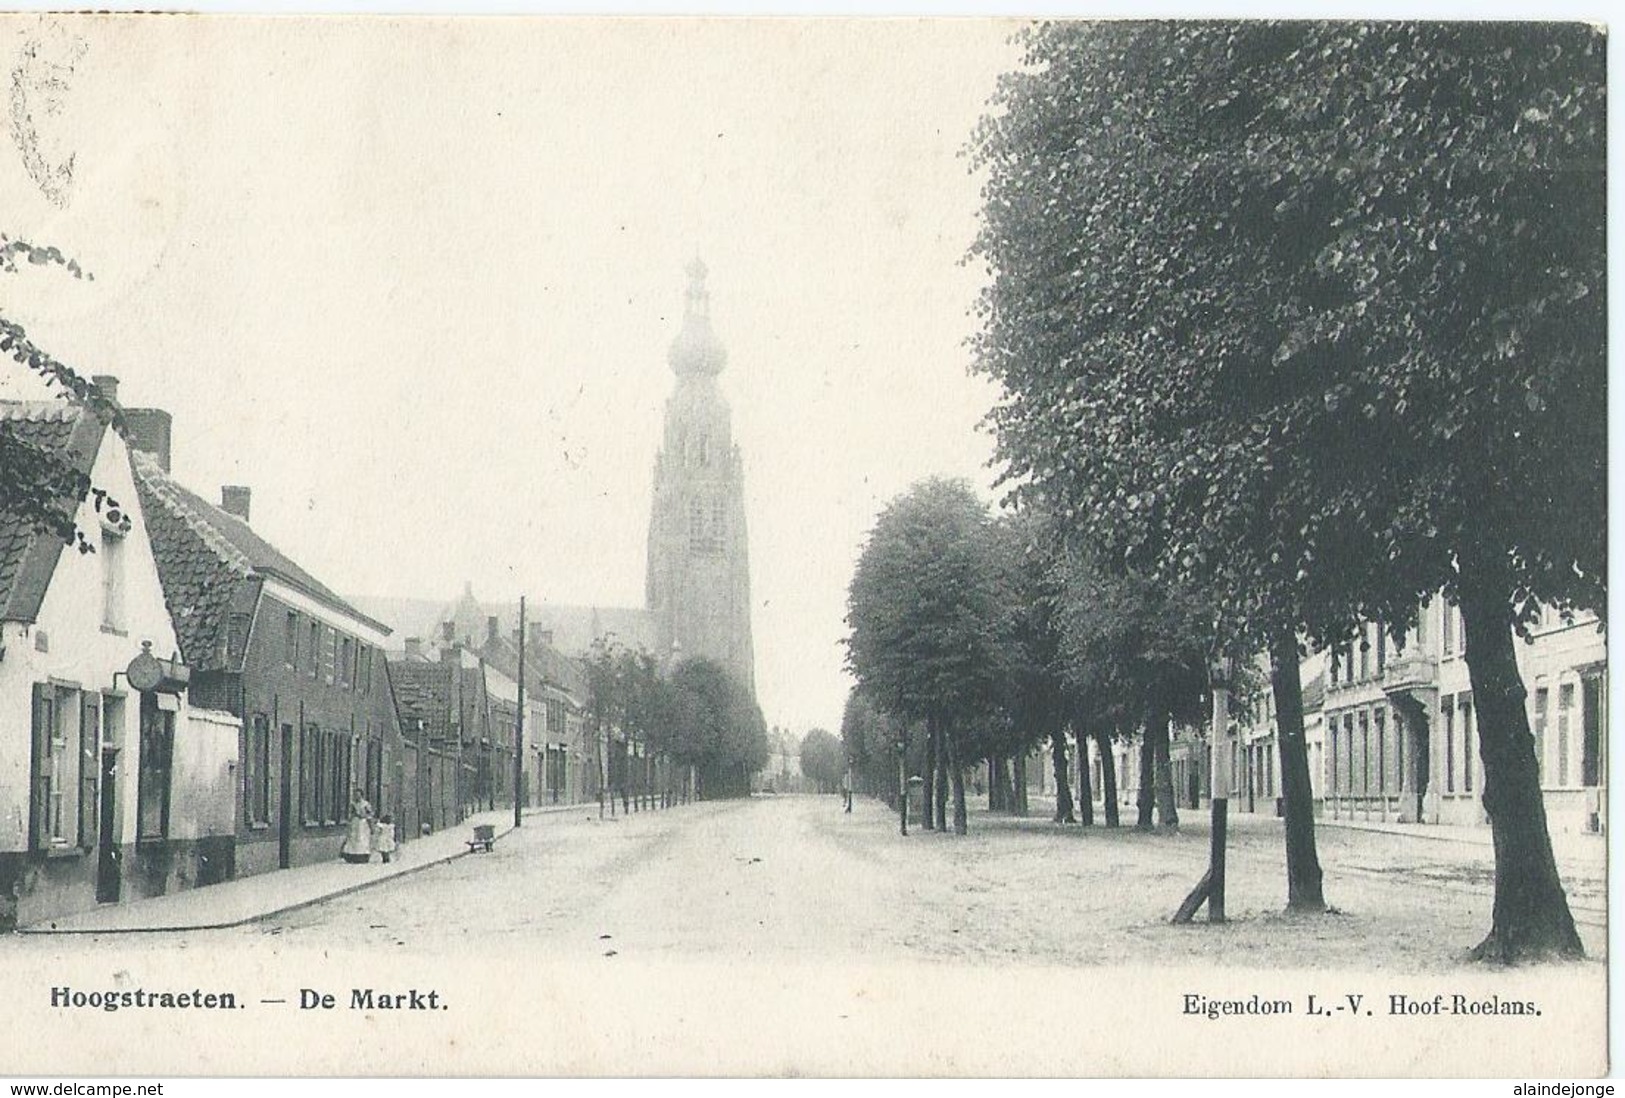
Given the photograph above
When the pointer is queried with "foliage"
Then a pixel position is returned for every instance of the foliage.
(926, 606)
(38, 486)
(823, 760)
(716, 727)
(1304, 309)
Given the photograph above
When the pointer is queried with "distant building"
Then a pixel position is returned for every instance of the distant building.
(698, 588)
(1402, 730)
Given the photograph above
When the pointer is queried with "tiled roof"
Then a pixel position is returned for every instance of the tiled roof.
(423, 692)
(204, 557)
(28, 557)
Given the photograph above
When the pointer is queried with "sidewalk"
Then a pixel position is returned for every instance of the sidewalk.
(247, 899)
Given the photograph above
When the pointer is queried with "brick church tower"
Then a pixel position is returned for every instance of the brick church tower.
(698, 589)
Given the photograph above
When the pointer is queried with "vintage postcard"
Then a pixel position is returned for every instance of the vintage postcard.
(781, 547)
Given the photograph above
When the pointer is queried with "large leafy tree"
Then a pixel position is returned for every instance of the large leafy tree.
(1313, 314)
(823, 760)
(927, 610)
(716, 727)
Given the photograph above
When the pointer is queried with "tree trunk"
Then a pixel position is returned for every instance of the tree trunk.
(943, 737)
(1018, 781)
(930, 776)
(998, 786)
(1148, 768)
(957, 774)
(1167, 803)
(1303, 891)
(1108, 776)
(1086, 783)
(1063, 788)
(1531, 913)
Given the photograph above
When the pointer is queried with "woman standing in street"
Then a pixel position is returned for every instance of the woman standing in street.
(357, 847)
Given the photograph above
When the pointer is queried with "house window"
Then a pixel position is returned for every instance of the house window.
(1467, 742)
(1591, 695)
(290, 640)
(375, 774)
(1542, 702)
(1400, 784)
(1422, 624)
(344, 676)
(1365, 754)
(257, 771)
(366, 668)
(1332, 727)
(1448, 711)
(1382, 648)
(1380, 727)
(112, 554)
(1365, 651)
(1565, 705)
(310, 775)
(315, 649)
(1446, 632)
(56, 716)
(153, 785)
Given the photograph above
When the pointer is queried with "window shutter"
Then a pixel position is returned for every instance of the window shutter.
(90, 767)
(40, 774)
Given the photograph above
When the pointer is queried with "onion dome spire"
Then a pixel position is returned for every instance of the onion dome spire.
(697, 351)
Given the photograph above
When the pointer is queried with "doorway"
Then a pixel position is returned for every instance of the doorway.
(108, 855)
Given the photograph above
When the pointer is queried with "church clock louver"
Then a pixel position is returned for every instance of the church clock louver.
(698, 589)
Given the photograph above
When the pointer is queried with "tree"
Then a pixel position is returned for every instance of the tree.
(1312, 315)
(926, 610)
(1136, 653)
(41, 487)
(823, 760)
(716, 728)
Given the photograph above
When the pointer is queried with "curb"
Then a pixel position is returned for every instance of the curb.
(262, 915)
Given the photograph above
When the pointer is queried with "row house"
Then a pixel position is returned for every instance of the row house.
(1255, 761)
(560, 764)
(425, 693)
(116, 783)
(300, 670)
(1401, 730)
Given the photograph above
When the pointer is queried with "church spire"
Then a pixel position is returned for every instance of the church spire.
(697, 351)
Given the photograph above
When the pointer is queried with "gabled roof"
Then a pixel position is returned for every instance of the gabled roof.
(28, 557)
(205, 557)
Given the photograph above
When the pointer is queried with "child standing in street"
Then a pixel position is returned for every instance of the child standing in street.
(383, 836)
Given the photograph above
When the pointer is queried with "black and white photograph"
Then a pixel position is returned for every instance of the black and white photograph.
(539, 546)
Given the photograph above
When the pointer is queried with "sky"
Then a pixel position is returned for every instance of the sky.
(413, 281)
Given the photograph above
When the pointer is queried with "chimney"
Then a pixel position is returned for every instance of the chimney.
(234, 500)
(540, 637)
(148, 430)
(448, 632)
(414, 648)
(493, 631)
(107, 385)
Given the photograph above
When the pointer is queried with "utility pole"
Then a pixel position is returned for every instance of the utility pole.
(519, 726)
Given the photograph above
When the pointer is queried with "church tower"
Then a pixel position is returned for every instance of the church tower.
(698, 589)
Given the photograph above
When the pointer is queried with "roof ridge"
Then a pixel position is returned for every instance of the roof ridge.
(40, 411)
(162, 486)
